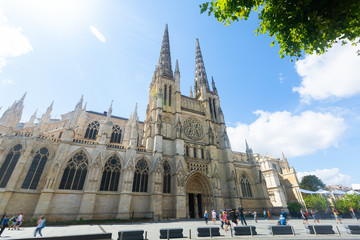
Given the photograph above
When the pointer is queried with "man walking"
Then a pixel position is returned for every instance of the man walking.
(241, 214)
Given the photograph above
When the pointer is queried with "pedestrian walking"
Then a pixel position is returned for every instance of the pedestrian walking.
(304, 216)
(206, 216)
(221, 219)
(13, 222)
(241, 215)
(20, 220)
(40, 226)
(315, 216)
(337, 215)
(213, 215)
(227, 221)
(4, 224)
(265, 214)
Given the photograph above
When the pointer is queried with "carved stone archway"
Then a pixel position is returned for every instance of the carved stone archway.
(199, 195)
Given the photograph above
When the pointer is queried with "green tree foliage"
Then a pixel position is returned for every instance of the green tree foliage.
(298, 26)
(316, 201)
(348, 201)
(311, 182)
(353, 200)
(294, 207)
(342, 205)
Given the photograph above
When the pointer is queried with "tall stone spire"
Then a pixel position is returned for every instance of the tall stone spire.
(213, 85)
(76, 113)
(200, 73)
(191, 92)
(45, 118)
(30, 123)
(109, 112)
(12, 116)
(165, 58)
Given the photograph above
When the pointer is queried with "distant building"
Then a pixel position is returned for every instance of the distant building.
(176, 163)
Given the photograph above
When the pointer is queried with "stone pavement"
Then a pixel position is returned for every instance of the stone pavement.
(152, 229)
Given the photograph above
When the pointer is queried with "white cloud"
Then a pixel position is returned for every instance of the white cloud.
(328, 176)
(295, 135)
(12, 42)
(97, 33)
(7, 82)
(336, 74)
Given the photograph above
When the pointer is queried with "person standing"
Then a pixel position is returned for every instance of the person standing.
(221, 219)
(265, 214)
(19, 221)
(206, 216)
(315, 216)
(303, 216)
(255, 216)
(213, 215)
(4, 224)
(337, 215)
(241, 214)
(40, 226)
(226, 220)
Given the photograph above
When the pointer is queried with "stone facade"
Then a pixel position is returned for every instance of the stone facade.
(177, 163)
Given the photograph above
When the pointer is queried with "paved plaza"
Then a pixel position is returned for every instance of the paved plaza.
(152, 229)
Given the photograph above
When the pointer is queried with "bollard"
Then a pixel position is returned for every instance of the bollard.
(231, 232)
(314, 229)
(292, 228)
(210, 232)
(167, 234)
(189, 233)
(145, 235)
(338, 230)
(251, 232)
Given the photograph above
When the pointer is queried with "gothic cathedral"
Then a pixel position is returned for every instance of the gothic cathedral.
(177, 163)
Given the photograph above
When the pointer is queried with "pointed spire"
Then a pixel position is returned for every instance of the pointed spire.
(21, 101)
(45, 118)
(165, 57)
(247, 146)
(213, 85)
(177, 66)
(191, 92)
(109, 112)
(30, 123)
(200, 72)
(135, 116)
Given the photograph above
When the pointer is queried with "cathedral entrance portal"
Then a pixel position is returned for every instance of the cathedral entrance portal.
(199, 195)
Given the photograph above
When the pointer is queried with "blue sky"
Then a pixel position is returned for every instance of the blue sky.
(309, 110)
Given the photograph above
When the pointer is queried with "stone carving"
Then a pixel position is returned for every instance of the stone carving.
(193, 129)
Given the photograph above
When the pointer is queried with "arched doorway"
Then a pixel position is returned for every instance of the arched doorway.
(199, 195)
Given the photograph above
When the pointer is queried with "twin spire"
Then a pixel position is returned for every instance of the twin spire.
(165, 68)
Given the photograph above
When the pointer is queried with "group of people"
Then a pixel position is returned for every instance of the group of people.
(16, 221)
(315, 216)
(229, 217)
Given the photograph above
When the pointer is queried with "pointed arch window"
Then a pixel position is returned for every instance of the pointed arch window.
(75, 172)
(141, 176)
(195, 152)
(116, 134)
(111, 175)
(9, 164)
(202, 154)
(169, 95)
(187, 151)
(165, 90)
(245, 187)
(214, 107)
(92, 130)
(36, 168)
(166, 177)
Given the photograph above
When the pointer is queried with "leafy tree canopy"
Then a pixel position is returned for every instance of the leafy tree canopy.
(294, 207)
(298, 26)
(316, 202)
(311, 182)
